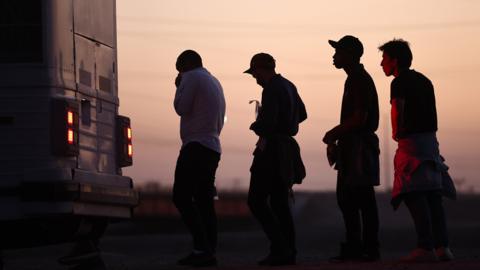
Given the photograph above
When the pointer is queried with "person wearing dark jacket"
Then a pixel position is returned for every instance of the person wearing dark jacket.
(277, 163)
(353, 148)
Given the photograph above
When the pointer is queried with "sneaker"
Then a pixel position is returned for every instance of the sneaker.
(348, 252)
(81, 252)
(444, 254)
(371, 256)
(202, 259)
(94, 264)
(420, 255)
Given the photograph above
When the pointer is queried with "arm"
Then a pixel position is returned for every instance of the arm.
(351, 124)
(302, 111)
(184, 95)
(354, 122)
(396, 115)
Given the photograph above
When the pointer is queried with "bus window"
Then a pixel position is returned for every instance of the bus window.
(20, 31)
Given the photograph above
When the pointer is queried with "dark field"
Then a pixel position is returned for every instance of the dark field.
(156, 238)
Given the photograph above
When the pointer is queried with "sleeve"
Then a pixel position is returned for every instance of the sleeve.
(267, 118)
(302, 111)
(396, 91)
(184, 96)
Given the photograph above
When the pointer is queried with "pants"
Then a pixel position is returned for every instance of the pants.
(194, 191)
(360, 215)
(429, 217)
(268, 200)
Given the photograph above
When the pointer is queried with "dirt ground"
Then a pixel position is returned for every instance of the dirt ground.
(156, 243)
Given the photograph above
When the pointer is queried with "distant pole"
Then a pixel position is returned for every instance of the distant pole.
(386, 154)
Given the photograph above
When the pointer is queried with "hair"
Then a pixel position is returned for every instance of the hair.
(398, 49)
(190, 57)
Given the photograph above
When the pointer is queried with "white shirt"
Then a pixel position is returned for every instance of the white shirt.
(200, 103)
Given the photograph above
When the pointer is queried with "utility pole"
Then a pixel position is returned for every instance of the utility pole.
(387, 167)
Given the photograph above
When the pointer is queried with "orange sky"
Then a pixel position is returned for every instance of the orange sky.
(444, 36)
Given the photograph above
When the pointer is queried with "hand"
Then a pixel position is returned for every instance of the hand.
(178, 79)
(329, 137)
(394, 137)
(332, 154)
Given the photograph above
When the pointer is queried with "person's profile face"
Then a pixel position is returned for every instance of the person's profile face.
(340, 58)
(257, 73)
(388, 64)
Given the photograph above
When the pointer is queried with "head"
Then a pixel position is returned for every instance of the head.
(188, 60)
(348, 51)
(262, 68)
(396, 57)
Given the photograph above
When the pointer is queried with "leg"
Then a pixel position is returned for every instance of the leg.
(418, 206)
(351, 216)
(183, 191)
(258, 202)
(279, 202)
(439, 223)
(370, 222)
(204, 195)
(352, 248)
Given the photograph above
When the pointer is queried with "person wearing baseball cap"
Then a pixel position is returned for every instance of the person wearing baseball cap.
(349, 44)
(353, 147)
(277, 163)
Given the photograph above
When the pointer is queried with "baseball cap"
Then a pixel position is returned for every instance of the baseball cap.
(350, 44)
(261, 60)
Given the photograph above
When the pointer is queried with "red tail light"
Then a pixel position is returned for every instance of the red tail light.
(124, 142)
(130, 150)
(64, 131)
(70, 118)
(129, 133)
(70, 136)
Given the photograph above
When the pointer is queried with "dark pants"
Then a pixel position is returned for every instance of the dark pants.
(268, 199)
(428, 215)
(360, 215)
(193, 194)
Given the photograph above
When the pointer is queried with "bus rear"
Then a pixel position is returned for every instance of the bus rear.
(63, 143)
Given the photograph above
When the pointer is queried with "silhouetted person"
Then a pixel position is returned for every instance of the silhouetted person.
(200, 103)
(353, 148)
(277, 164)
(421, 177)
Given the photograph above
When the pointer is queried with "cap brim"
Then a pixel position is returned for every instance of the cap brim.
(249, 71)
(333, 43)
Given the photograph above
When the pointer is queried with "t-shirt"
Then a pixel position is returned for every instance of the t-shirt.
(360, 94)
(420, 113)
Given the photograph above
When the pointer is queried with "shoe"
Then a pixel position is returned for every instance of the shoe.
(202, 259)
(278, 260)
(371, 256)
(265, 261)
(420, 255)
(444, 254)
(348, 252)
(81, 252)
(94, 264)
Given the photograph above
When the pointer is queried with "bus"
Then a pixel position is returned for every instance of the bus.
(63, 143)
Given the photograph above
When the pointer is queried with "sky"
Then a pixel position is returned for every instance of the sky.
(444, 37)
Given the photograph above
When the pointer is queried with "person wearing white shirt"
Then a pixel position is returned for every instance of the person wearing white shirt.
(200, 103)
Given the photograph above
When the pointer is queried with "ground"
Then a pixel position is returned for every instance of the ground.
(156, 243)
